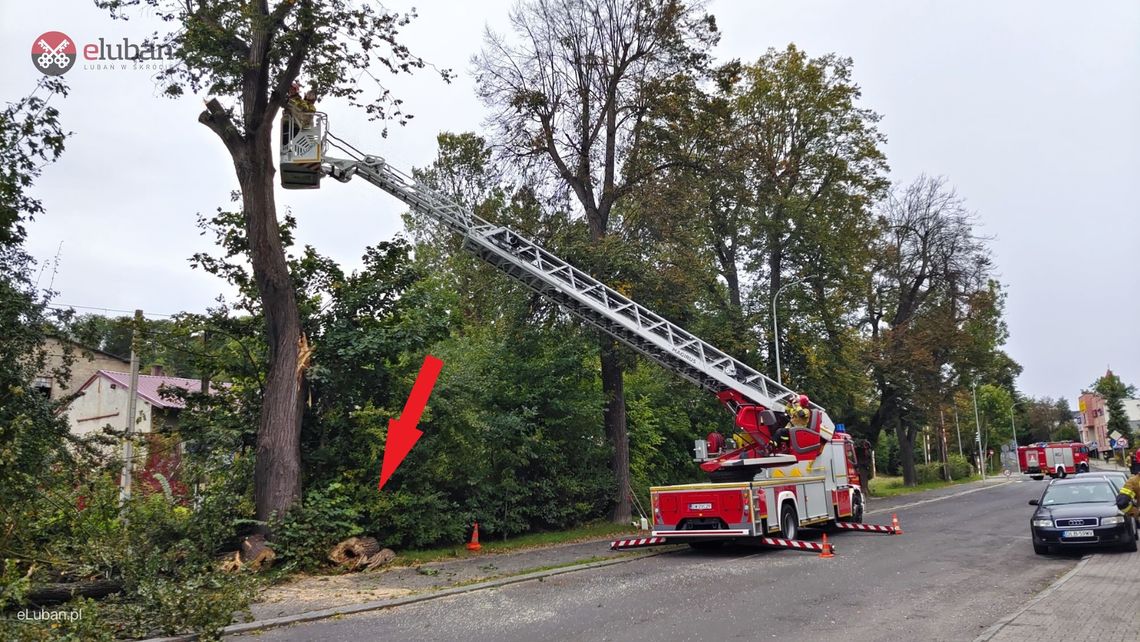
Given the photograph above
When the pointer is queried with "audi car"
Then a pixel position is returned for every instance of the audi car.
(1080, 512)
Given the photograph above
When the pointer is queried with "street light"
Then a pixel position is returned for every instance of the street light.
(776, 328)
(978, 424)
(1013, 427)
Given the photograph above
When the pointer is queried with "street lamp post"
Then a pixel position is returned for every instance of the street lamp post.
(978, 424)
(1013, 427)
(776, 329)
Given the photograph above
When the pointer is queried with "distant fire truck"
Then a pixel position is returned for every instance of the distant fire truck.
(1056, 459)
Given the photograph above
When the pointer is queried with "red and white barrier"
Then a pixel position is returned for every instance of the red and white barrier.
(796, 544)
(635, 543)
(869, 528)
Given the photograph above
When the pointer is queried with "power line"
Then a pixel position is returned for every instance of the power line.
(92, 307)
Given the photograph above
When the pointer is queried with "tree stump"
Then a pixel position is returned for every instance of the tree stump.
(255, 553)
(230, 562)
(354, 551)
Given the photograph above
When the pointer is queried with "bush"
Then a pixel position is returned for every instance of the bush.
(960, 467)
(927, 473)
(309, 530)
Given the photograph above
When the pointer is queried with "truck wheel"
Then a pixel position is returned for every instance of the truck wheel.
(1083, 468)
(789, 521)
(1040, 549)
(1062, 473)
(857, 509)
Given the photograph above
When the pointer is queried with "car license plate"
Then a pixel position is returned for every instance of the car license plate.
(1068, 534)
(704, 506)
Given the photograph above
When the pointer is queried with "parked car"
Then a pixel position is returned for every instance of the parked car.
(1115, 477)
(1077, 513)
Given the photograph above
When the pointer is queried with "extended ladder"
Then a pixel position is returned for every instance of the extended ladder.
(593, 301)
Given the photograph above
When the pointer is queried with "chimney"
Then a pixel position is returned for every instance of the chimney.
(156, 370)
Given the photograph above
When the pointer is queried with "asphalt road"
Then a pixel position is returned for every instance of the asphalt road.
(962, 563)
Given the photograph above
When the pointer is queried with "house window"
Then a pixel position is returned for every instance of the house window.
(42, 385)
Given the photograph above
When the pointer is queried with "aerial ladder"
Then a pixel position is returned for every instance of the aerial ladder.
(758, 402)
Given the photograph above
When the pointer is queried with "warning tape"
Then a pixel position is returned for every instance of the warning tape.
(633, 543)
(870, 528)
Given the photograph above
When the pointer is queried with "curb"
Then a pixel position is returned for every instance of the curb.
(376, 605)
(989, 633)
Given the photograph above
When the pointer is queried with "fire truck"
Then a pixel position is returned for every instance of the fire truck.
(1056, 459)
(756, 487)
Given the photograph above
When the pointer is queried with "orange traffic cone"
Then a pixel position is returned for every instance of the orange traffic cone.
(474, 545)
(826, 552)
(895, 524)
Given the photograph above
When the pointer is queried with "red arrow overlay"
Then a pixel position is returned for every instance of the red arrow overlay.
(402, 432)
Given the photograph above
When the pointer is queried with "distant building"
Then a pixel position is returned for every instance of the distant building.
(1093, 424)
(103, 400)
(86, 362)
(1132, 411)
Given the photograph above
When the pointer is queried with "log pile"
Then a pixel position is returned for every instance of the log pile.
(356, 553)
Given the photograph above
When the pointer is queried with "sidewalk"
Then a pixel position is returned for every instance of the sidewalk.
(319, 592)
(1094, 601)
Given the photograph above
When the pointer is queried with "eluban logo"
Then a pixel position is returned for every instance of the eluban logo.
(53, 53)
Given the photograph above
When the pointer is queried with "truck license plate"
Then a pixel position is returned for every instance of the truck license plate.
(1077, 534)
(708, 506)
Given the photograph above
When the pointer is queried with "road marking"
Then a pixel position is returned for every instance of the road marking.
(936, 499)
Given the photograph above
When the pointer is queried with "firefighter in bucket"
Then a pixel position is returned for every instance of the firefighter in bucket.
(799, 415)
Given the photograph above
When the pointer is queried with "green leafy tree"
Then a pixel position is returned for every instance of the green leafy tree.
(245, 57)
(570, 100)
(1115, 392)
(934, 313)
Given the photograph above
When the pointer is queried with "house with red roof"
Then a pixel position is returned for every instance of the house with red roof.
(103, 398)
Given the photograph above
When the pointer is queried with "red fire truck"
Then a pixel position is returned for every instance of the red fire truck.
(1056, 459)
(814, 485)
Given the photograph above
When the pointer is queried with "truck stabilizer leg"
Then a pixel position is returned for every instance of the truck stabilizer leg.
(866, 528)
(799, 545)
(625, 544)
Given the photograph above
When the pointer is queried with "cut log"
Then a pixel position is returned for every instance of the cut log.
(380, 559)
(230, 562)
(58, 593)
(255, 553)
(354, 551)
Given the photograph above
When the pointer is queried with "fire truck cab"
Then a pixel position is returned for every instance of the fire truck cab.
(1055, 459)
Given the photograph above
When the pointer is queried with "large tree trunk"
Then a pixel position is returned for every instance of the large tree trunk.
(906, 453)
(277, 475)
(613, 390)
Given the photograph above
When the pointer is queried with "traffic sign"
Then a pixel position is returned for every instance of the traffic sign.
(1007, 472)
(1122, 443)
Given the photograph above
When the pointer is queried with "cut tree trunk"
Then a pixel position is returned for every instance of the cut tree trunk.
(354, 551)
(58, 593)
(255, 553)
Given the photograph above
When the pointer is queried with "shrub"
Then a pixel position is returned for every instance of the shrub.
(325, 517)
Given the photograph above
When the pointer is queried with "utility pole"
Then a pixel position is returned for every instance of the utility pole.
(958, 427)
(132, 401)
(978, 424)
(945, 456)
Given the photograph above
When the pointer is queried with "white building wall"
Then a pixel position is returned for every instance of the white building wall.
(103, 403)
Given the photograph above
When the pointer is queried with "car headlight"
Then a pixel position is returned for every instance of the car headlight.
(1115, 519)
(1043, 523)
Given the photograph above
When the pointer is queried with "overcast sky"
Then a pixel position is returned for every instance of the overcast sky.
(1031, 109)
